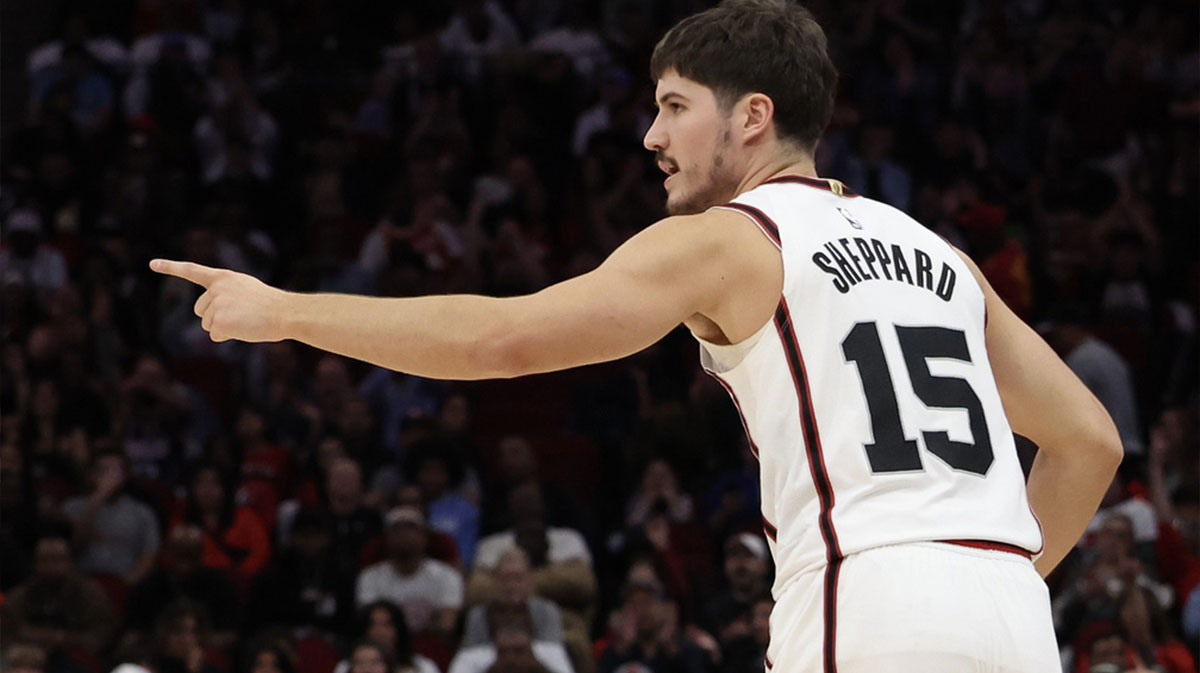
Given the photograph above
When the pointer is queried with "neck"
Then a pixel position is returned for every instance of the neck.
(789, 164)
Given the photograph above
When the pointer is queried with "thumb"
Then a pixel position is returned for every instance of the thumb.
(189, 271)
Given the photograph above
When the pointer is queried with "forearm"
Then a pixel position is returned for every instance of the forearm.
(1064, 492)
(442, 337)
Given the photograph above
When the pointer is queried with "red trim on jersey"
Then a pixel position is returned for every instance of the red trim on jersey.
(770, 529)
(760, 218)
(812, 437)
(741, 416)
(819, 183)
(820, 475)
(994, 546)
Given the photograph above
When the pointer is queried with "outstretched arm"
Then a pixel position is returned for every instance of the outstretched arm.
(1078, 445)
(676, 268)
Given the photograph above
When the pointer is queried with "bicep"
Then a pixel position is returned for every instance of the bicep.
(644, 290)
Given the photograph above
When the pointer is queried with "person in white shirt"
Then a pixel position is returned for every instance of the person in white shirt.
(429, 591)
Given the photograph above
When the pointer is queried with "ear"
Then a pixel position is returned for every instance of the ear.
(758, 117)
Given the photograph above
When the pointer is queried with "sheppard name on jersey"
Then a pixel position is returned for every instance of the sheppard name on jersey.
(855, 260)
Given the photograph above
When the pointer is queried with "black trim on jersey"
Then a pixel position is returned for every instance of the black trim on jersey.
(770, 529)
(765, 223)
(820, 475)
(819, 183)
(767, 660)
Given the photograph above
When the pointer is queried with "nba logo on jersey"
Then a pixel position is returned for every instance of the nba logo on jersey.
(849, 218)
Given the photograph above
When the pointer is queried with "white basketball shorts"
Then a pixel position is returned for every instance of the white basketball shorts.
(928, 607)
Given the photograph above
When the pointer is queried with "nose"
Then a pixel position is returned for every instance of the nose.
(655, 139)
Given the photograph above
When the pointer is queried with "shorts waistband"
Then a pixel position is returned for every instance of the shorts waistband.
(994, 546)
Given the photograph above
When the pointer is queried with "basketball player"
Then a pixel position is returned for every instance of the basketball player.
(879, 377)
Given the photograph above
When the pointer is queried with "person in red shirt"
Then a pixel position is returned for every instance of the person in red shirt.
(234, 538)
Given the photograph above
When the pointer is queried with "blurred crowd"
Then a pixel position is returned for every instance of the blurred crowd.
(171, 505)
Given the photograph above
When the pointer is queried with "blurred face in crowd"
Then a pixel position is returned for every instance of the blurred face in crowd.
(381, 628)
(344, 486)
(108, 469)
(182, 637)
(367, 659)
(1115, 539)
(185, 551)
(52, 558)
(742, 568)
(265, 662)
(455, 415)
(405, 541)
(692, 139)
(648, 611)
(433, 478)
(515, 462)
(208, 491)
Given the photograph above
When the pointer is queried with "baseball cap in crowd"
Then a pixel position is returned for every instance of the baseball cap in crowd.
(750, 542)
(404, 514)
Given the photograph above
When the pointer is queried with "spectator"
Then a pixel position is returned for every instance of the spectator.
(181, 640)
(234, 538)
(646, 632)
(27, 259)
(271, 658)
(113, 533)
(266, 467)
(352, 523)
(516, 464)
(659, 485)
(438, 473)
(57, 609)
(183, 576)
(303, 587)
(371, 657)
(1103, 370)
(746, 652)
(78, 88)
(513, 651)
(429, 591)
(514, 600)
(383, 624)
(728, 614)
(873, 173)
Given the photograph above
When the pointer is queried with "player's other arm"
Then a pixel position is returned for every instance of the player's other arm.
(672, 270)
(1079, 447)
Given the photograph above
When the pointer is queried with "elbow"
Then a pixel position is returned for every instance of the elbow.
(502, 354)
(1107, 447)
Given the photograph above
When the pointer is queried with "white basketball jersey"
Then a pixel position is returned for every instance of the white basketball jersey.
(869, 399)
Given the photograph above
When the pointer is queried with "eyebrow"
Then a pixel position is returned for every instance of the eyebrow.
(668, 96)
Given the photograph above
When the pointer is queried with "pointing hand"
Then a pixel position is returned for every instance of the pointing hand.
(234, 305)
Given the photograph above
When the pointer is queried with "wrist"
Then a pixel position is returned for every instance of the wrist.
(287, 319)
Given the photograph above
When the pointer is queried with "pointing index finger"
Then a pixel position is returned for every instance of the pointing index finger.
(190, 271)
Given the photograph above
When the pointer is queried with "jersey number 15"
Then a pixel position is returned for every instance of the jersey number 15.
(892, 451)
